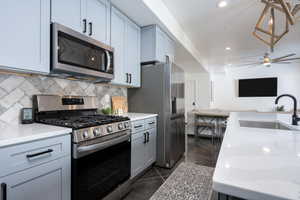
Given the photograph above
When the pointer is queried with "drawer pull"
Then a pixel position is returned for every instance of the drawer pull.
(148, 137)
(40, 153)
(145, 138)
(151, 123)
(138, 126)
(4, 191)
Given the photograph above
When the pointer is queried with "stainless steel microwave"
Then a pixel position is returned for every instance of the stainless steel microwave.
(78, 55)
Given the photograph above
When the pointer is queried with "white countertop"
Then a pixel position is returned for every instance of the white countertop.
(256, 163)
(22, 133)
(139, 116)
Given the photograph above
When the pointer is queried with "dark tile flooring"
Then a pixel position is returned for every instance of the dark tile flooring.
(200, 151)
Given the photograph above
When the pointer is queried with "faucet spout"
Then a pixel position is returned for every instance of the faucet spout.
(295, 117)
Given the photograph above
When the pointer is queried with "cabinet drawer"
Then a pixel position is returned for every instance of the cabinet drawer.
(24, 156)
(138, 126)
(150, 123)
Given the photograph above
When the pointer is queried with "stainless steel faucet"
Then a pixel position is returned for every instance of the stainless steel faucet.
(295, 117)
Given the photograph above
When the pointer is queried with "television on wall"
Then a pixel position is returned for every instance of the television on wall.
(259, 87)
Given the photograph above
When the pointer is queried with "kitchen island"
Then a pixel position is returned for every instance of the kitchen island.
(259, 163)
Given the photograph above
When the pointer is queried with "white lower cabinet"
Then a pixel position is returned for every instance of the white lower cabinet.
(49, 180)
(143, 146)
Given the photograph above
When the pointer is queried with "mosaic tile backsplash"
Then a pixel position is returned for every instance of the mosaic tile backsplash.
(16, 93)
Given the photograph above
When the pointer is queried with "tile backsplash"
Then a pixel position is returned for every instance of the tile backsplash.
(16, 93)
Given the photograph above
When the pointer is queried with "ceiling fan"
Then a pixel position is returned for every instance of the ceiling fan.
(268, 61)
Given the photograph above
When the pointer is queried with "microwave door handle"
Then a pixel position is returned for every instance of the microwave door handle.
(108, 66)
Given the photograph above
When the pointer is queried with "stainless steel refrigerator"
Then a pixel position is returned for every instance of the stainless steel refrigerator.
(162, 92)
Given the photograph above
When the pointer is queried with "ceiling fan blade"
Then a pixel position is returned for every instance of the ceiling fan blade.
(279, 58)
(289, 59)
(281, 62)
(249, 64)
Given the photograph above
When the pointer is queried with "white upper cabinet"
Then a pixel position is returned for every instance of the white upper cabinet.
(25, 40)
(156, 45)
(73, 18)
(90, 17)
(98, 16)
(125, 39)
(133, 38)
(118, 27)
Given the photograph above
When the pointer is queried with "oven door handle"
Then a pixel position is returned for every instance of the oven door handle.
(86, 150)
(108, 66)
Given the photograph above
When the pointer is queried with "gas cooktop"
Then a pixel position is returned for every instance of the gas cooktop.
(78, 122)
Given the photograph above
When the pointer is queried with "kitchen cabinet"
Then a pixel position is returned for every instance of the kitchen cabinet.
(125, 39)
(133, 66)
(48, 182)
(90, 17)
(98, 17)
(74, 16)
(151, 147)
(118, 27)
(25, 42)
(156, 45)
(37, 170)
(143, 146)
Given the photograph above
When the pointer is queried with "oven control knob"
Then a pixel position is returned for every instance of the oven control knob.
(85, 134)
(109, 129)
(126, 124)
(120, 126)
(97, 132)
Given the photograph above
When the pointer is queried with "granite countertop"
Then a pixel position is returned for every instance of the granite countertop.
(12, 134)
(188, 182)
(139, 116)
(257, 163)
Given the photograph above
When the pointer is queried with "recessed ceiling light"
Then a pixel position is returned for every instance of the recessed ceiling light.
(222, 4)
(228, 48)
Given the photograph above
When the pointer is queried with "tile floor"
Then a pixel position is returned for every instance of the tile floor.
(200, 151)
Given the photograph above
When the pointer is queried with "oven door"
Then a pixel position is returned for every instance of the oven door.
(77, 54)
(100, 168)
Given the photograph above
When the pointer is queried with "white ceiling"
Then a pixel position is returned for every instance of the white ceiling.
(141, 14)
(212, 29)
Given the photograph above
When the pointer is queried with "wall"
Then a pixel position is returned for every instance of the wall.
(16, 92)
(225, 87)
(197, 89)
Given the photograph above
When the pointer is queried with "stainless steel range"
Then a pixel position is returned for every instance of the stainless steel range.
(101, 144)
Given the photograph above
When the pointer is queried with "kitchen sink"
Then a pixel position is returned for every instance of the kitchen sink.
(265, 125)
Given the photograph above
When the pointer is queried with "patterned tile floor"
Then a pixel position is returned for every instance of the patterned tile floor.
(200, 151)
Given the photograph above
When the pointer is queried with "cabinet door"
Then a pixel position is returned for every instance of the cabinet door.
(25, 38)
(133, 42)
(70, 13)
(170, 48)
(151, 147)
(50, 181)
(137, 154)
(118, 25)
(160, 45)
(98, 14)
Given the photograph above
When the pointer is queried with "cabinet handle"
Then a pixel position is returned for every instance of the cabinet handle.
(148, 137)
(151, 123)
(84, 26)
(40, 153)
(138, 126)
(91, 28)
(130, 78)
(4, 191)
(126, 77)
(145, 138)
